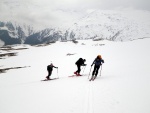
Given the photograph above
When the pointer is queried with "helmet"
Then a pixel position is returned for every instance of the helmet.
(51, 64)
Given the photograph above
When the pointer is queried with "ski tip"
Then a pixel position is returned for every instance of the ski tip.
(49, 79)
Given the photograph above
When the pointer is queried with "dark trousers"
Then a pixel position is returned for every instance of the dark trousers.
(49, 74)
(95, 71)
(78, 69)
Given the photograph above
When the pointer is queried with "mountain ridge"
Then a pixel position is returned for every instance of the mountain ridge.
(99, 24)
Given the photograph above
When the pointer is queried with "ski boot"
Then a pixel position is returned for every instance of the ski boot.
(75, 73)
(78, 74)
(47, 77)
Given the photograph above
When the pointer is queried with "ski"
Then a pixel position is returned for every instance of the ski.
(49, 79)
(92, 78)
(72, 76)
(75, 76)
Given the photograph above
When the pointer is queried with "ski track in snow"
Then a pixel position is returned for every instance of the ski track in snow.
(89, 100)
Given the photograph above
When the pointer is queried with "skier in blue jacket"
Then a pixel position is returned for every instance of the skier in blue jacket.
(97, 63)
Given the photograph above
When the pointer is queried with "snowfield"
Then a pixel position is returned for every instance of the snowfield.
(123, 87)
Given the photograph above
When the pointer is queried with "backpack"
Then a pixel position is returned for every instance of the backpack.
(79, 61)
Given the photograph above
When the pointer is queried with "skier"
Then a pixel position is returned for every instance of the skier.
(79, 63)
(98, 62)
(50, 69)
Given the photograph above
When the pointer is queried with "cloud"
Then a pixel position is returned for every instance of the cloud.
(55, 12)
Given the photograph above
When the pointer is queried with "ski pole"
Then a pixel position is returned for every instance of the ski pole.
(83, 69)
(100, 70)
(57, 73)
(90, 72)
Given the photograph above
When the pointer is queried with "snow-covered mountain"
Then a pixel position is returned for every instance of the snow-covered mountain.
(45, 36)
(13, 33)
(100, 24)
(112, 25)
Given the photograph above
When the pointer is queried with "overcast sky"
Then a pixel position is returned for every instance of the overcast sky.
(37, 11)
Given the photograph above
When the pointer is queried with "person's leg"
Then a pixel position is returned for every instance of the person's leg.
(94, 71)
(97, 68)
(79, 68)
(49, 74)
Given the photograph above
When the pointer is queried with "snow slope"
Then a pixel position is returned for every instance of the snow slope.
(118, 25)
(122, 88)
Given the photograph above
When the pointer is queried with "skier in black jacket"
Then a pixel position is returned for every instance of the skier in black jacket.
(50, 69)
(98, 62)
(79, 63)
